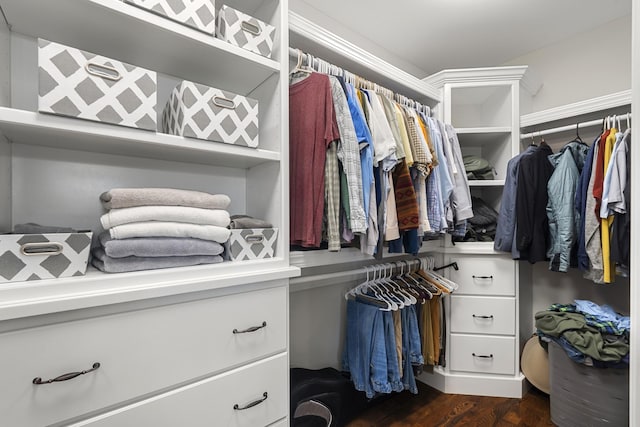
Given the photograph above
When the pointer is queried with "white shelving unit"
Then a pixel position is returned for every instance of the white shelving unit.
(53, 170)
(485, 313)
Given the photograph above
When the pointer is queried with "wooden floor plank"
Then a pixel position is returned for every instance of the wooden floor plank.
(431, 408)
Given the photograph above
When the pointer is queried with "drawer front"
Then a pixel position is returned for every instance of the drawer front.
(139, 352)
(484, 275)
(211, 402)
(483, 315)
(490, 355)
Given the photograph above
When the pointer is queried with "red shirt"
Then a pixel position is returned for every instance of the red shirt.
(598, 181)
(312, 126)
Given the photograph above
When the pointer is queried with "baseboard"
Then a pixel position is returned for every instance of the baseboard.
(475, 384)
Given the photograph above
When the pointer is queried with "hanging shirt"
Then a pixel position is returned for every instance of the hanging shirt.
(609, 269)
(592, 237)
(621, 229)
(349, 156)
(392, 118)
(506, 225)
(581, 203)
(461, 195)
(384, 146)
(312, 127)
(332, 197)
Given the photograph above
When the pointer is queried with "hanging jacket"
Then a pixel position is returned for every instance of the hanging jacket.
(581, 205)
(532, 227)
(561, 189)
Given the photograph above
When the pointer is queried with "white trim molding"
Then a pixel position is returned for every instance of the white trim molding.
(485, 74)
(355, 59)
(592, 105)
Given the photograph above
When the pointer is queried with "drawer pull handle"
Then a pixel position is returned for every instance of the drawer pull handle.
(251, 329)
(483, 356)
(66, 377)
(251, 404)
(482, 277)
(483, 317)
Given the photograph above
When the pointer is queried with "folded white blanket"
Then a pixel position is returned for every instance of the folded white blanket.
(186, 214)
(170, 229)
(129, 197)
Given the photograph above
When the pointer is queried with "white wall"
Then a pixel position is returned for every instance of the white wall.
(590, 64)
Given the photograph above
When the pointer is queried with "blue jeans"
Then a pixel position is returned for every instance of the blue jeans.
(393, 370)
(365, 350)
(411, 348)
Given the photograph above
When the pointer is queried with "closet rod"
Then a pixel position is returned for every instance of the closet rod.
(569, 127)
(295, 52)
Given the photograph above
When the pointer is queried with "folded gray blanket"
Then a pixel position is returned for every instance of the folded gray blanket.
(245, 221)
(33, 228)
(158, 246)
(129, 197)
(107, 264)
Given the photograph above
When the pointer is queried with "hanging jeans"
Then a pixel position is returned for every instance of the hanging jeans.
(411, 348)
(366, 350)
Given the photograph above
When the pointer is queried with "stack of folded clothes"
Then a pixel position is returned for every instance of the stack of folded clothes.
(150, 228)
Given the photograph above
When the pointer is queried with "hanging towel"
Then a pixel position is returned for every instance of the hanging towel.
(129, 197)
(185, 214)
(122, 265)
(158, 246)
(170, 229)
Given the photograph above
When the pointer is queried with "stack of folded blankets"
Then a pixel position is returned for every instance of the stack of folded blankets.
(150, 228)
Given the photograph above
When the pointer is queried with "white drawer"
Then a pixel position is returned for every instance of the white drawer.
(484, 275)
(139, 352)
(211, 402)
(483, 315)
(490, 355)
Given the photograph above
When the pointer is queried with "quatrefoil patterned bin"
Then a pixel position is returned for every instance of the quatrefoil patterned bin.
(198, 111)
(43, 256)
(252, 243)
(245, 31)
(75, 83)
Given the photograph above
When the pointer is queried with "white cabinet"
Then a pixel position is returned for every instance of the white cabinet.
(484, 314)
(158, 331)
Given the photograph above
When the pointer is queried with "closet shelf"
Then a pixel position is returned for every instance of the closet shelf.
(24, 299)
(26, 127)
(127, 33)
(486, 183)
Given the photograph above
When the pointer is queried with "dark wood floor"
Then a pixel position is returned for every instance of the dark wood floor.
(431, 408)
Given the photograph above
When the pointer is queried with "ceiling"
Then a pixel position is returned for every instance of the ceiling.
(426, 36)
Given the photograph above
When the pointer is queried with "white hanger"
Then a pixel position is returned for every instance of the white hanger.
(299, 65)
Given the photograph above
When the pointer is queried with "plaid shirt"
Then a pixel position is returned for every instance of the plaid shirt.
(605, 327)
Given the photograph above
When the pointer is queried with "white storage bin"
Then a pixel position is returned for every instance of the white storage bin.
(43, 256)
(245, 31)
(81, 84)
(252, 243)
(198, 14)
(198, 111)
